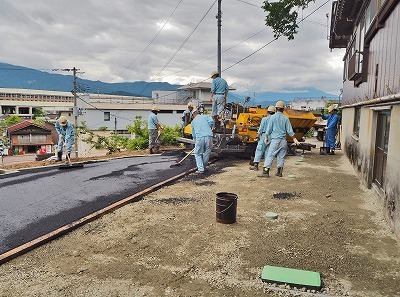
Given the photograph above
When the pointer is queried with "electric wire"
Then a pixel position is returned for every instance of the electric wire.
(154, 38)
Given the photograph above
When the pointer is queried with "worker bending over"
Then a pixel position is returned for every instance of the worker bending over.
(202, 135)
(276, 130)
(263, 144)
(66, 135)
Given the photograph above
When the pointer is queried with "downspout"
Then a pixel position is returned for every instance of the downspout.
(380, 100)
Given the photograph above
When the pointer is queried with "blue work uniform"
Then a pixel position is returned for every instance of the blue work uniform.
(331, 130)
(202, 135)
(67, 133)
(152, 122)
(277, 128)
(262, 147)
(219, 88)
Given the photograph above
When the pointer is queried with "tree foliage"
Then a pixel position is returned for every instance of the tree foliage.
(282, 16)
(116, 143)
(12, 120)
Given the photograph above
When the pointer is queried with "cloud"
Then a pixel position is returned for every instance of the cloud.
(116, 41)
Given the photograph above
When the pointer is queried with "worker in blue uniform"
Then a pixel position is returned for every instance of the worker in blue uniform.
(66, 135)
(262, 145)
(276, 131)
(331, 128)
(154, 128)
(202, 135)
(219, 92)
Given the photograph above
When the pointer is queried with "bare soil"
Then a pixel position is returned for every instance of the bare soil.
(170, 244)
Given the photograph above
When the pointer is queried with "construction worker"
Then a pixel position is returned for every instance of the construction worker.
(219, 91)
(202, 135)
(331, 128)
(262, 146)
(155, 129)
(187, 115)
(276, 131)
(66, 135)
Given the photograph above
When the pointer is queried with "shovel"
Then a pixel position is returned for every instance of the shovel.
(323, 150)
(183, 159)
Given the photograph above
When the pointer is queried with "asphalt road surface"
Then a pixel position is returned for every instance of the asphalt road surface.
(37, 201)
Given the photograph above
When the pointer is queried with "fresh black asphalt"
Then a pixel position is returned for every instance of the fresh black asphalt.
(37, 201)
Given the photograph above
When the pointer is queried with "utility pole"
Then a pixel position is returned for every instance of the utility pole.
(75, 112)
(219, 25)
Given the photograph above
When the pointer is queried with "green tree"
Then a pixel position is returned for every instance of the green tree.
(12, 120)
(38, 112)
(282, 16)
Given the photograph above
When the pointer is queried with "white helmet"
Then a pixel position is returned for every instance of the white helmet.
(271, 108)
(280, 104)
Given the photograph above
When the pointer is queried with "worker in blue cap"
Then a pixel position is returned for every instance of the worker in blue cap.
(262, 146)
(202, 135)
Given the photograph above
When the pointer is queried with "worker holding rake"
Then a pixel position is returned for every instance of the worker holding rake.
(155, 128)
(66, 135)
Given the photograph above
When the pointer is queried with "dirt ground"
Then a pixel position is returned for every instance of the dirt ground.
(169, 243)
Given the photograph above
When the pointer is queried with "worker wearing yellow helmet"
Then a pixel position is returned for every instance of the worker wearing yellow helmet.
(262, 145)
(276, 131)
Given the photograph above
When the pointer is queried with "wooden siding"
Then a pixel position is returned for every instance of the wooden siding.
(384, 50)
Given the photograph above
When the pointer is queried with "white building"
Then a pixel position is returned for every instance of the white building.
(310, 104)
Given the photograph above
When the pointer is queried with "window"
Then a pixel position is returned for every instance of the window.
(107, 116)
(356, 126)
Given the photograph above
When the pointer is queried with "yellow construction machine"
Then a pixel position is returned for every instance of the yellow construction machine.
(239, 128)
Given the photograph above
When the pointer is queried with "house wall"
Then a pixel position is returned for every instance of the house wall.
(384, 55)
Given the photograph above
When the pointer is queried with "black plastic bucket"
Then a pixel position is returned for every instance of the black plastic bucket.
(226, 204)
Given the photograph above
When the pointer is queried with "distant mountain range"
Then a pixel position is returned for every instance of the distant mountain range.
(19, 77)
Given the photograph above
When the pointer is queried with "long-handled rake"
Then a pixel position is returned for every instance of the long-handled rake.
(70, 165)
(183, 159)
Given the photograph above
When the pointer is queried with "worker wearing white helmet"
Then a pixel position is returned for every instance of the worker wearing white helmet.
(66, 135)
(331, 128)
(262, 146)
(187, 115)
(202, 135)
(154, 128)
(276, 131)
(219, 91)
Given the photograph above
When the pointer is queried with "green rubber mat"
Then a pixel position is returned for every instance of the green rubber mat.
(291, 276)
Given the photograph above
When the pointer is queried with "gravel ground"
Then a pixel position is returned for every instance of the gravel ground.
(169, 243)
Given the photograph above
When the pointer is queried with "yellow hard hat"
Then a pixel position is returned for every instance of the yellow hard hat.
(62, 120)
(190, 104)
(271, 108)
(280, 104)
(155, 108)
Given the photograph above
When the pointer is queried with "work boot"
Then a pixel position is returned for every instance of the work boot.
(59, 156)
(151, 151)
(332, 152)
(265, 172)
(254, 166)
(279, 172)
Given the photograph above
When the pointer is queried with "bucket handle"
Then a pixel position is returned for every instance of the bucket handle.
(224, 209)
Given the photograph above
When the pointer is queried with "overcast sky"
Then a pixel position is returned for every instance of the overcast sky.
(169, 40)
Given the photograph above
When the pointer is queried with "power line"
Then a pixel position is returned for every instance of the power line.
(158, 33)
